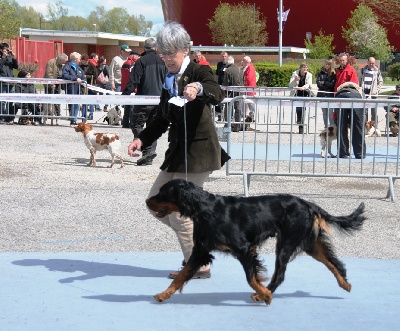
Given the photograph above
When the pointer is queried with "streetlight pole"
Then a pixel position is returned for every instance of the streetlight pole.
(280, 32)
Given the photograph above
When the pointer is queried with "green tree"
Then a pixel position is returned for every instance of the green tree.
(388, 11)
(117, 20)
(365, 36)
(320, 46)
(9, 24)
(240, 25)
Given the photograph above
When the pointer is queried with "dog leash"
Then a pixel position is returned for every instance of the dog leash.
(186, 152)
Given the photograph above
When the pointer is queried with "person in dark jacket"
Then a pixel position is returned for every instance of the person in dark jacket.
(220, 72)
(89, 66)
(353, 119)
(72, 71)
(147, 78)
(234, 77)
(8, 62)
(26, 108)
(326, 80)
(194, 150)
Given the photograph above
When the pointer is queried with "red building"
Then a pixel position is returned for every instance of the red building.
(305, 16)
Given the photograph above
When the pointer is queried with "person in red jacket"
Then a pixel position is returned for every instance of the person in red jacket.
(127, 68)
(345, 73)
(125, 73)
(249, 79)
(200, 59)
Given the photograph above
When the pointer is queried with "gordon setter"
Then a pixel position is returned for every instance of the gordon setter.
(239, 225)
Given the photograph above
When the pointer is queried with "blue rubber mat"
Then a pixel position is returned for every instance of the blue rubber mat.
(114, 291)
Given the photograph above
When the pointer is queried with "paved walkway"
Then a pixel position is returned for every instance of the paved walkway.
(114, 291)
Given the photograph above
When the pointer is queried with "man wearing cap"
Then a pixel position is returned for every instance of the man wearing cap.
(116, 66)
(147, 77)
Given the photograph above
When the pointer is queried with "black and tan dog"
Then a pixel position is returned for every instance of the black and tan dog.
(239, 225)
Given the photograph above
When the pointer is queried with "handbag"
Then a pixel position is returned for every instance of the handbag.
(101, 78)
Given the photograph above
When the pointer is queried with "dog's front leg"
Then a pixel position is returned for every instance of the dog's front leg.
(92, 161)
(177, 284)
(330, 148)
(112, 161)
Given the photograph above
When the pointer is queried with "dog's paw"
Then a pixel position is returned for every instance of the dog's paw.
(255, 297)
(161, 297)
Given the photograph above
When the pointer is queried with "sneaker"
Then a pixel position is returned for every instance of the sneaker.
(90, 117)
(146, 159)
(10, 122)
(105, 109)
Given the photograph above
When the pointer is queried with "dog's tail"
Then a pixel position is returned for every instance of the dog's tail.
(347, 224)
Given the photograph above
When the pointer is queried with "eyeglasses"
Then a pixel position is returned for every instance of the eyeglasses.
(168, 55)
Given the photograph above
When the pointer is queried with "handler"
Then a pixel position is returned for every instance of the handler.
(197, 85)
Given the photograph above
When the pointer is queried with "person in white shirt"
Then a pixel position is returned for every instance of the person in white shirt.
(371, 81)
(115, 68)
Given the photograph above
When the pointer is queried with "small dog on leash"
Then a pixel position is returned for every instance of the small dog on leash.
(96, 141)
(371, 130)
(114, 116)
(327, 136)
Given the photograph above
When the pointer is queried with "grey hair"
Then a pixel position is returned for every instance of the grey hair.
(172, 38)
(247, 59)
(149, 43)
(230, 60)
(62, 56)
(74, 56)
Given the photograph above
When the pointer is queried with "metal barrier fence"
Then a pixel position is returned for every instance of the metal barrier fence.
(271, 148)
(48, 101)
(271, 145)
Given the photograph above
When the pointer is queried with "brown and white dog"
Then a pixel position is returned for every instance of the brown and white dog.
(96, 141)
(327, 136)
(371, 130)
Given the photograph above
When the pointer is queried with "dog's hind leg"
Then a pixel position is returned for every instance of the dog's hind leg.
(252, 267)
(121, 160)
(324, 253)
(112, 160)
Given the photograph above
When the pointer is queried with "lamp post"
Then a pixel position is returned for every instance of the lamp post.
(41, 19)
(280, 32)
(95, 27)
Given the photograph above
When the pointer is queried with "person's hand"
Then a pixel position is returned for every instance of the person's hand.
(113, 86)
(297, 78)
(79, 80)
(190, 91)
(135, 145)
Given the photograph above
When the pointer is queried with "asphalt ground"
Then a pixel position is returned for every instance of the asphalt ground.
(64, 220)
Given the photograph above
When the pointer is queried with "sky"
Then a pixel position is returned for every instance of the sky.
(150, 9)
